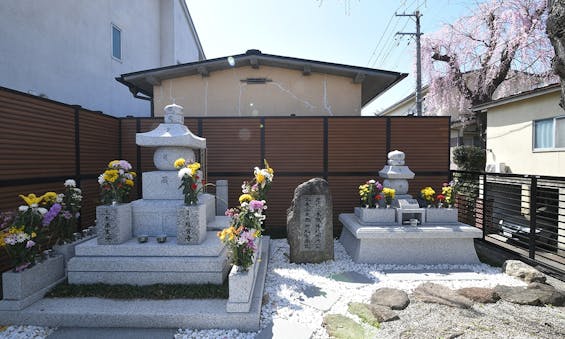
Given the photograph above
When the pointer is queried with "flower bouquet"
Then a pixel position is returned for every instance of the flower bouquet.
(65, 213)
(191, 182)
(247, 219)
(389, 194)
(116, 182)
(428, 194)
(448, 192)
(370, 193)
(21, 238)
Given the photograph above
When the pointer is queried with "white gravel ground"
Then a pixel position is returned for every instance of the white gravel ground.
(284, 295)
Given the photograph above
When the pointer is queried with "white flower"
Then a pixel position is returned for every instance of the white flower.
(23, 208)
(101, 179)
(372, 181)
(184, 171)
(42, 210)
(70, 183)
(33, 205)
(60, 198)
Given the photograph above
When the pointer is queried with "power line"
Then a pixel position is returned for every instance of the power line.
(417, 35)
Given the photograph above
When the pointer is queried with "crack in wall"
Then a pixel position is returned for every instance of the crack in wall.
(294, 96)
(327, 106)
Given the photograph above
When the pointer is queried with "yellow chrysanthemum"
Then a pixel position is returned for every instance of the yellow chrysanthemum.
(133, 173)
(389, 192)
(195, 166)
(245, 198)
(113, 163)
(33, 234)
(31, 199)
(179, 163)
(129, 183)
(111, 175)
(49, 197)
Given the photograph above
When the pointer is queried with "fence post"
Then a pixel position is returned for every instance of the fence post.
(533, 210)
(484, 216)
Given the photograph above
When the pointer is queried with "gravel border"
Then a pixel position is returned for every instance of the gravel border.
(285, 298)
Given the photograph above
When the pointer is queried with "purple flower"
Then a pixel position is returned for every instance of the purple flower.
(256, 205)
(77, 215)
(379, 186)
(67, 215)
(51, 214)
(30, 244)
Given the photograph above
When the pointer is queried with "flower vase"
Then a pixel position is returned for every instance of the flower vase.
(441, 215)
(113, 224)
(191, 224)
(23, 288)
(375, 215)
(242, 283)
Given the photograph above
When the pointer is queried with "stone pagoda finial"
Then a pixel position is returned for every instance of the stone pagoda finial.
(396, 173)
(172, 138)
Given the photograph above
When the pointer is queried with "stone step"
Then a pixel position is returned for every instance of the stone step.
(211, 247)
(147, 278)
(148, 264)
(219, 223)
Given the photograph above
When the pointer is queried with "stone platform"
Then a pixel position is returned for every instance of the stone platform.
(150, 263)
(402, 245)
(179, 313)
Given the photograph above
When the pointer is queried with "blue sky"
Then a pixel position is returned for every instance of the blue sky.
(352, 32)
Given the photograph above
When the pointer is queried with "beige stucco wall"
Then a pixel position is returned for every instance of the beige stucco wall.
(223, 94)
(510, 132)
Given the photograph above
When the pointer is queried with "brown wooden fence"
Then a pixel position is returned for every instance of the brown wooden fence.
(44, 142)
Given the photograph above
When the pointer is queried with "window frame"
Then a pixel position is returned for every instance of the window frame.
(553, 148)
(117, 28)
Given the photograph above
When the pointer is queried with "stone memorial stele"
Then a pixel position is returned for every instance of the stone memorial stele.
(310, 223)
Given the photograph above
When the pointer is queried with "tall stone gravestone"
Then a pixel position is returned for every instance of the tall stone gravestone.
(309, 223)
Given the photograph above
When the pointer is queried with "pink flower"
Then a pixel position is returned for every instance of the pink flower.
(256, 205)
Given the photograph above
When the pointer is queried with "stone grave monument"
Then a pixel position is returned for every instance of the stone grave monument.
(310, 223)
(157, 239)
(414, 235)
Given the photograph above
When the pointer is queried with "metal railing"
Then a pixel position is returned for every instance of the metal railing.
(524, 214)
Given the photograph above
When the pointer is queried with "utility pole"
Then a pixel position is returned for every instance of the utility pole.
(417, 15)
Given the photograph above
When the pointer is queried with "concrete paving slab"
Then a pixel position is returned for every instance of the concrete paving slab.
(352, 277)
(284, 329)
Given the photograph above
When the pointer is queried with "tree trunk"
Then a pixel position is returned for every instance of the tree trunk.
(556, 34)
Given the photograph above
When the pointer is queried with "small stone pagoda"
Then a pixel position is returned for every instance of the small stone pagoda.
(406, 233)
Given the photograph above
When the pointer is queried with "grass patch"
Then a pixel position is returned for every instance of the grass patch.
(156, 292)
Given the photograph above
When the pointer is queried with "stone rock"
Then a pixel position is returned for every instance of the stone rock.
(341, 327)
(364, 312)
(439, 294)
(518, 295)
(383, 313)
(516, 268)
(390, 297)
(479, 294)
(552, 296)
(310, 223)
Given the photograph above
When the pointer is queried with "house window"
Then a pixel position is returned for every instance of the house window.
(549, 133)
(116, 42)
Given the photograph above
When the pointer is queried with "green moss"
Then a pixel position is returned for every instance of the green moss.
(362, 311)
(157, 291)
(341, 327)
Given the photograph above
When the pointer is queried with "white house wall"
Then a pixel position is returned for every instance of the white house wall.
(510, 132)
(63, 50)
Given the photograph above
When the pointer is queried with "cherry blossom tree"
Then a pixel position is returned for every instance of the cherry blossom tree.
(556, 34)
(467, 61)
